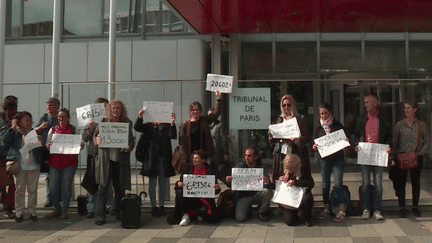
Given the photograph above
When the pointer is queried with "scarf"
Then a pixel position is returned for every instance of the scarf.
(326, 124)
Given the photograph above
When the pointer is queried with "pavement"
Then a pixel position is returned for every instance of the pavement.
(80, 229)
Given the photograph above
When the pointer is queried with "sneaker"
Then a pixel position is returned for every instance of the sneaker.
(90, 215)
(155, 212)
(339, 217)
(324, 214)
(64, 215)
(19, 217)
(33, 217)
(48, 204)
(53, 214)
(161, 211)
(185, 220)
(366, 214)
(416, 212)
(378, 216)
(264, 217)
(402, 213)
(200, 218)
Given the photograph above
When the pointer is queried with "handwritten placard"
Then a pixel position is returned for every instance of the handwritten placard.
(90, 113)
(198, 186)
(157, 111)
(65, 144)
(331, 143)
(221, 83)
(286, 129)
(247, 179)
(114, 135)
(287, 195)
(31, 140)
(372, 154)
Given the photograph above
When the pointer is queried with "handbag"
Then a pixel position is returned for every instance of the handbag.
(13, 167)
(409, 160)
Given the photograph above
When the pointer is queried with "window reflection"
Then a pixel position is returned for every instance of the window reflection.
(159, 19)
(128, 16)
(82, 17)
(38, 17)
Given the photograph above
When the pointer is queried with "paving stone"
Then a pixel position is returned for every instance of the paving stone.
(200, 231)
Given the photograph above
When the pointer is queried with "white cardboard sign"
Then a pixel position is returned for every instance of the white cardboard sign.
(198, 186)
(331, 143)
(247, 179)
(65, 144)
(287, 195)
(286, 129)
(90, 113)
(372, 154)
(221, 83)
(114, 135)
(157, 111)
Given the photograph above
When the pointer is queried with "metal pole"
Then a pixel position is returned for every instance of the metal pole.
(112, 49)
(2, 44)
(56, 48)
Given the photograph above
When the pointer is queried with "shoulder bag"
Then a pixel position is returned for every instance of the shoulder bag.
(408, 160)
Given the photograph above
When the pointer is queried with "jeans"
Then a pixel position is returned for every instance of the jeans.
(92, 199)
(162, 186)
(61, 177)
(334, 166)
(244, 204)
(101, 198)
(378, 189)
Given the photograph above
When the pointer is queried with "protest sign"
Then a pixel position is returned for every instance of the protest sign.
(114, 135)
(31, 140)
(331, 143)
(157, 111)
(247, 179)
(198, 186)
(90, 113)
(286, 129)
(287, 195)
(221, 83)
(249, 108)
(65, 144)
(372, 154)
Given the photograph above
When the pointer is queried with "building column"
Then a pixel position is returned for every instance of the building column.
(57, 26)
(2, 43)
(112, 50)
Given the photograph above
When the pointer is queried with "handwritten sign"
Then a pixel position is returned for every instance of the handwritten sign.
(157, 111)
(286, 129)
(65, 144)
(222, 83)
(114, 135)
(331, 143)
(198, 186)
(31, 140)
(287, 195)
(250, 108)
(372, 154)
(247, 179)
(90, 113)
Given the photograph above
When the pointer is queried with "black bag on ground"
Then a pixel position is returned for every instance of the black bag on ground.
(226, 204)
(82, 204)
(335, 201)
(131, 210)
(371, 190)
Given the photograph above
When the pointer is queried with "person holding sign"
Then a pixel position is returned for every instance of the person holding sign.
(62, 168)
(372, 127)
(190, 207)
(294, 145)
(332, 164)
(195, 133)
(247, 198)
(28, 176)
(298, 174)
(410, 135)
(113, 163)
(155, 152)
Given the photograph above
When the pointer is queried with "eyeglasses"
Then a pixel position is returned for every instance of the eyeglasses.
(286, 105)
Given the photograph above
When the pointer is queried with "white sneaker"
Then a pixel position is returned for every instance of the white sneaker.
(378, 216)
(366, 214)
(200, 218)
(185, 220)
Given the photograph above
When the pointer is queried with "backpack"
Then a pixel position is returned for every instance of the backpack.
(335, 201)
(226, 204)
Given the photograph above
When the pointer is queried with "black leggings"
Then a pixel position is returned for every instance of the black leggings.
(291, 216)
(400, 184)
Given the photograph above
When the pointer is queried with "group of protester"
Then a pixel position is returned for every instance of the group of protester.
(110, 167)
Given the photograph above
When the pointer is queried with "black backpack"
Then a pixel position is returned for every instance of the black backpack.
(335, 201)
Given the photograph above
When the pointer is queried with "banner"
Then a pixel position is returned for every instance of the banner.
(331, 143)
(114, 135)
(198, 186)
(373, 154)
(287, 195)
(65, 144)
(221, 83)
(157, 111)
(286, 129)
(247, 179)
(90, 113)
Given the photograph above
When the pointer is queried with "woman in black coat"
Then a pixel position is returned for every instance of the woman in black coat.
(155, 152)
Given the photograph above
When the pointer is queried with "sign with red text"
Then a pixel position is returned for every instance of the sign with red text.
(247, 179)
(198, 186)
(249, 108)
